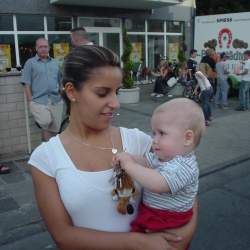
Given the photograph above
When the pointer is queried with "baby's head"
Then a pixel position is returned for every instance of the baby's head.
(177, 126)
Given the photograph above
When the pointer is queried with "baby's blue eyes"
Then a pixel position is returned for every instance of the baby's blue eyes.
(161, 133)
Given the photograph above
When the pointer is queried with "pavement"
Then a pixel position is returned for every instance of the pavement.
(224, 192)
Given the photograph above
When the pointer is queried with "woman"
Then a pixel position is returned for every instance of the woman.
(206, 93)
(71, 172)
(161, 80)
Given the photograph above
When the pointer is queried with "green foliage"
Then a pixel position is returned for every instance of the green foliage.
(128, 64)
(181, 56)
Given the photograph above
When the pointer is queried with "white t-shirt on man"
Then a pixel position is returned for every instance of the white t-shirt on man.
(246, 77)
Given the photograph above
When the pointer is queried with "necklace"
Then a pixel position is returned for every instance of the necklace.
(113, 149)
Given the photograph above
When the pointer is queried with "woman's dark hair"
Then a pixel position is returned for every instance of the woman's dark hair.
(80, 63)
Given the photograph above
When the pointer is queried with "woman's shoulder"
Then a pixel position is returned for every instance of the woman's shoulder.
(135, 141)
(133, 132)
(44, 146)
(42, 157)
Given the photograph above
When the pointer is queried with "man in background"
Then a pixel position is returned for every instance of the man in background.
(41, 80)
(192, 64)
(221, 96)
(79, 37)
(245, 83)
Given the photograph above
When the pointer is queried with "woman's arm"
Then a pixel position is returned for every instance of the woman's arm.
(187, 231)
(69, 237)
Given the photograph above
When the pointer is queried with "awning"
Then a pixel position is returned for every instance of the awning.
(127, 4)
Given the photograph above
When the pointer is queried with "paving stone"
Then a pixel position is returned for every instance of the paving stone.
(25, 199)
(20, 233)
(211, 181)
(22, 191)
(240, 187)
(8, 204)
(3, 194)
(1, 182)
(25, 215)
(223, 222)
(23, 165)
(238, 171)
(13, 177)
(35, 242)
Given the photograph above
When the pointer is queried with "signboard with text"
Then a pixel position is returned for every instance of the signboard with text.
(60, 50)
(227, 33)
(5, 57)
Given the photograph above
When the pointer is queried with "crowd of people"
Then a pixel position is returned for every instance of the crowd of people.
(207, 80)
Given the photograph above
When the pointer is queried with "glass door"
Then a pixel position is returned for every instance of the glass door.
(109, 37)
(112, 41)
(155, 51)
(94, 38)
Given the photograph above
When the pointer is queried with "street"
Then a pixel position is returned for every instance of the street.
(224, 192)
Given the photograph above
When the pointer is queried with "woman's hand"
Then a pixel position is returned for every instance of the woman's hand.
(186, 232)
(157, 241)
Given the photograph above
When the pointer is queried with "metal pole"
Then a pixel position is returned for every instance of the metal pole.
(27, 123)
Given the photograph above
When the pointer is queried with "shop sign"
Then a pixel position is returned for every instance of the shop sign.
(5, 57)
(60, 50)
(136, 55)
(173, 50)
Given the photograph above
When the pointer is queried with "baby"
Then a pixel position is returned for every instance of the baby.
(169, 174)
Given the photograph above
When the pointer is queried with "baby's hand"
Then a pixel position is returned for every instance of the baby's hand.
(123, 159)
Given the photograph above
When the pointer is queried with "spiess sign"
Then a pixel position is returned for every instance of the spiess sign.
(226, 33)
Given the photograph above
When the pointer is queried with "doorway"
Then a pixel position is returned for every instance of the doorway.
(106, 37)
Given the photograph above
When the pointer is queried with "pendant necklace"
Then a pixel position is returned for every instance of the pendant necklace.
(124, 190)
(113, 149)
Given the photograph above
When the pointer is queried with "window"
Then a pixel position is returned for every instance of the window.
(60, 45)
(175, 26)
(30, 22)
(99, 22)
(94, 38)
(155, 51)
(155, 26)
(6, 22)
(135, 25)
(59, 23)
(138, 44)
(112, 41)
(173, 47)
(7, 52)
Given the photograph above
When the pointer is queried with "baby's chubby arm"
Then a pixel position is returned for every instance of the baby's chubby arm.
(137, 168)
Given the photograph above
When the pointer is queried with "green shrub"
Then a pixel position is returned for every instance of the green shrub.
(128, 64)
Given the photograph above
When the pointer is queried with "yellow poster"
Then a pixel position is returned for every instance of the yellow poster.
(60, 50)
(136, 54)
(173, 50)
(5, 57)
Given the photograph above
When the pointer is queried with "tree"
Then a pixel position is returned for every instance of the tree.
(127, 62)
(222, 6)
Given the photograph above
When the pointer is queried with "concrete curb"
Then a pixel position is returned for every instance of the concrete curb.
(221, 166)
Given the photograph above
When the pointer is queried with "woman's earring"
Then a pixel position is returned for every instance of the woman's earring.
(73, 100)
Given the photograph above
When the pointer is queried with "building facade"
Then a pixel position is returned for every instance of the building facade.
(157, 29)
